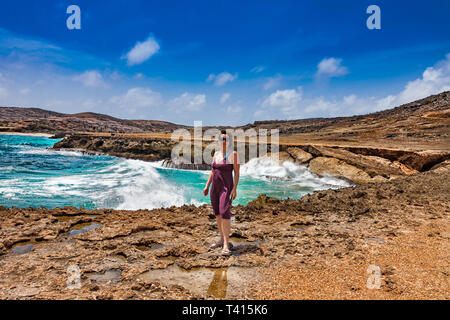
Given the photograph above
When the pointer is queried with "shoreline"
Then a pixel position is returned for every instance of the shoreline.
(28, 134)
(360, 165)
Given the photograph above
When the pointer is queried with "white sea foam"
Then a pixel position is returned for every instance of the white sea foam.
(126, 185)
(145, 188)
(267, 168)
(42, 151)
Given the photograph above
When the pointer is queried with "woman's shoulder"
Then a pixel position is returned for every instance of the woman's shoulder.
(234, 157)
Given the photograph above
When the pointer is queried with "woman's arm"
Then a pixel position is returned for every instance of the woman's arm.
(205, 191)
(236, 168)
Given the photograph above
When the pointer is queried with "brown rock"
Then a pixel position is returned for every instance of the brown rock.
(340, 169)
(442, 166)
(424, 160)
(299, 155)
(373, 165)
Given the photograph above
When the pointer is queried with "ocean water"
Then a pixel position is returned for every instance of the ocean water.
(33, 176)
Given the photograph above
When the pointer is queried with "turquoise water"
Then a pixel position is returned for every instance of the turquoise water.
(33, 176)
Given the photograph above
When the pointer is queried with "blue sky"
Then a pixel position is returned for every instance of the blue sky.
(222, 62)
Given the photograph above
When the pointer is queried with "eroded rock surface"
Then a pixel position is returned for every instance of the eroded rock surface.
(117, 255)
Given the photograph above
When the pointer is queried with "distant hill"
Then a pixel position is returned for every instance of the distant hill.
(432, 106)
(423, 124)
(39, 120)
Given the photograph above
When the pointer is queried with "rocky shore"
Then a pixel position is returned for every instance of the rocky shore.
(163, 253)
(357, 164)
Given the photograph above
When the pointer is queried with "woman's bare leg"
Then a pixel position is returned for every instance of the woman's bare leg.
(226, 227)
(219, 225)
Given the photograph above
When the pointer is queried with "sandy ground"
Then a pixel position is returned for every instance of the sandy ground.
(37, 134)
(413, 266)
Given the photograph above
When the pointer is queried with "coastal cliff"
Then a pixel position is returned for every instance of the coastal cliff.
(357, 164)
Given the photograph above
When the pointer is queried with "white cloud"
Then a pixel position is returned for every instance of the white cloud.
(138, 98)
(434, 80)
(258, 69)
(285, 100)
(188, 102)
(331, 67)
(91, 78)
(142, 51)
(225, 97)
(292, 105)
(222, 78)
(273, 82)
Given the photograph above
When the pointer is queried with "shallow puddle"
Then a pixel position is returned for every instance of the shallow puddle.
(377, 239)
(64, 218)
(298, 226)
(23, 247)
(118, 258)
(246, 242)
(238, 239)
(218, 282)
(144, 247)
(83, 227)
(109, 275)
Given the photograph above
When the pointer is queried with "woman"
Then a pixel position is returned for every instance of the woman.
(223, 190)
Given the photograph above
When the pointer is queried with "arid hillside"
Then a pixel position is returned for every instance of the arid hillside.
(39, 120)
(421, 125)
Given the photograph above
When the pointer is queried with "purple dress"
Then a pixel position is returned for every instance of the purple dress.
(222, 185)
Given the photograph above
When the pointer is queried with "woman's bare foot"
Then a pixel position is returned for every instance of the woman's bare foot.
(226, 252)
(218, 244)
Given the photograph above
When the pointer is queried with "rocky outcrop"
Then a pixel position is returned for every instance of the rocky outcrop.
(340, 169)
(441, 165)
(416, 160)
(132, 148)
(299, 155)
(373, 165)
